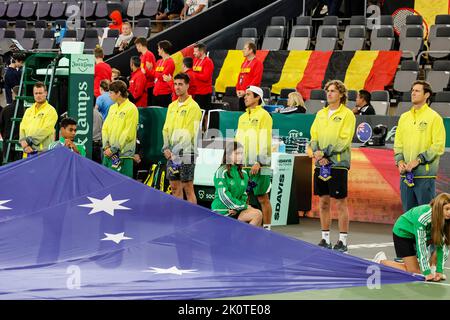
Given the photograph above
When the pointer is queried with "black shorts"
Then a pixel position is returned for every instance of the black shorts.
(336, 187)
(184, 173)
(204, 101)
(404, 247)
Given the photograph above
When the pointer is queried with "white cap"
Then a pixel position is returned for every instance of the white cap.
(258, 91)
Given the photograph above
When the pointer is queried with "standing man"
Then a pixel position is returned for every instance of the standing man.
(254, 132)
(363, 106)
(67, 136)
(180, 134)
(251, 72)
(162, 93)
(419, 143)
(37, 128)
(148, 61)
(138, 83)
(103, 101)
(331, 137)
(119, 131)
(13, 74)
(102, 70)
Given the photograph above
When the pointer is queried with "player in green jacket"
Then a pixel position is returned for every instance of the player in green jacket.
(231, 185)
(414, 231)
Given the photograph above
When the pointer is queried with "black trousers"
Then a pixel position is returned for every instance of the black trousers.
(162, 100)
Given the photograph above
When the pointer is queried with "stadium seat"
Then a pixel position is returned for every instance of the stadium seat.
(274, 38)
(441, 104)
(58, 10)
(231, 98)
(62, 23)
(380, 102)
(101, 11)
(351, 101)
(408, 73)
(43, 9)
(316, 102)
(108, 46)
(29, 40)
(14, 9)
(249, 33)
(3, 8)
(39, 27)
(142, 32)
(304, 21)
(113, 33)
(300, 38)
(145, 22)
(278, 21)
(90, 39)
(100, 26)
(88, 9)
(242, 41)
(3, 24)
(412, 41)
(440, 20)
(70, 35)
(135, 8)
(411, 21)
(356, 39)
(284, 94)
(68, 13)
(439, 76)
(327, 39)
(47, 41)
(9, 34)
(355, 21)
(150, 8)
(384, 39)
(328, 22)
(28, 9)
(404, 104)
(441, 42)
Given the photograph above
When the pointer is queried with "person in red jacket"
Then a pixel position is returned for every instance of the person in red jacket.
(162, 92)
(251, 72)
(148, 62)
(138, 83)
(102, 70)
(203, 70)
(187, 69)
(117, 20)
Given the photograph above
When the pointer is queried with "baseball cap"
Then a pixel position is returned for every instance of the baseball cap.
(258, 91)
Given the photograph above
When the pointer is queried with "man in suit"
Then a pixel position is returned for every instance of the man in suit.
(363, 106)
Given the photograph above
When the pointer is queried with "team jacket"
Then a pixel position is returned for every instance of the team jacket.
(163, 67)
(149, 74)
(250, 75)
(230, 191)
(181, 126)
(39, 126)
(420, 134)
(203, 71)
(254, 132)
(120, 128)
(138, 90)
(334, 135)
(416, 224)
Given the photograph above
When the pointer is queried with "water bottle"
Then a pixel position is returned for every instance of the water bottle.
(282, 147)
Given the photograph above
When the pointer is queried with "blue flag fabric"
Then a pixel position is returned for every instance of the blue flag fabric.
(72, 229)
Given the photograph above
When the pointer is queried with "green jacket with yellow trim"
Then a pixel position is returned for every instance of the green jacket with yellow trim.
(120, 128)
(420, 135)
(254, 132)
(333, 135)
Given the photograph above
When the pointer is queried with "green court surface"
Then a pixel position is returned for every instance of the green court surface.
(365, 240)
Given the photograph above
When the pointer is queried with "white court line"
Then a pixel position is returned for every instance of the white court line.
(371, 245)
(439, 283)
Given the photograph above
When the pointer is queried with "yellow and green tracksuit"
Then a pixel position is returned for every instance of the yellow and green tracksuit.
(38, 126)
(416, 224)
(333, 135)
(61, 142)
(181, 127)
(119, 134)
(420, 135)
(254, 132)
(230, 190)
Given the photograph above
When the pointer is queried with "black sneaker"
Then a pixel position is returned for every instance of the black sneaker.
(323, 243)
(339, 246)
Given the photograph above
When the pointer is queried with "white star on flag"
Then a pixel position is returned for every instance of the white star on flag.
(117, 238)
(107, 205)
(172, 270)
(3, 207)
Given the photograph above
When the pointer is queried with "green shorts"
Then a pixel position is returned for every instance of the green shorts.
(262, 180)
(126, 166)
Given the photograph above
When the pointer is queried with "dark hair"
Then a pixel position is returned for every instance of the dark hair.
(182, 76)
(165, 45)
(98, 52)
(104, 84)
(426, 87)
(364, 94)
(67, 121)
(200, 46)
(18, 56)
(136, 61)
(119, 86)
(142, 41)
(188, 62)
(257, 95)
(227, 161)
(40, 84)
(251, 45)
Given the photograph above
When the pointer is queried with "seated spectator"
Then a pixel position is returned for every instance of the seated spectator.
(67, 136)
(102, 70)
(295, 104)
(231, 184)
(193, 7)
(168, 10)
(117, 21)
(363, 106)
(117, 75)
(138, 83)
(12, 75)
(125, 38)
(104, 101)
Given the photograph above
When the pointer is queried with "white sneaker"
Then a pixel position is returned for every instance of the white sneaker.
(379, 257)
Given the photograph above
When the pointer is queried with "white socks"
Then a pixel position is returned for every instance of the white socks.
(326, 235)
(343, 237)
(267, 226)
